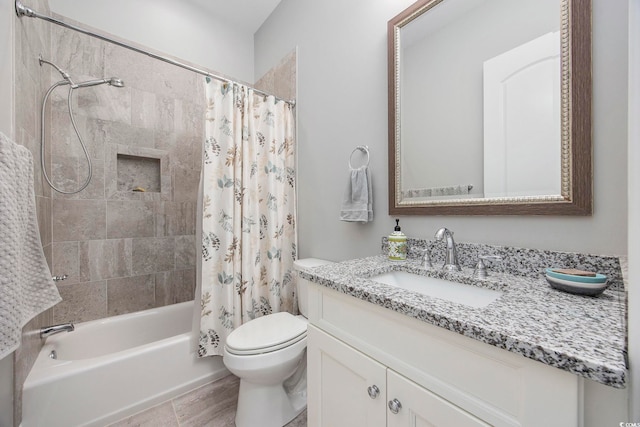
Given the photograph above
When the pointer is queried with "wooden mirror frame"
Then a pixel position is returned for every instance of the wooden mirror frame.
(577, 175)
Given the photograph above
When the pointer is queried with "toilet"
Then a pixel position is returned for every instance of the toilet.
(268, 354)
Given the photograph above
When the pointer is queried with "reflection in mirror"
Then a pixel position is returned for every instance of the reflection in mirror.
(482, 102)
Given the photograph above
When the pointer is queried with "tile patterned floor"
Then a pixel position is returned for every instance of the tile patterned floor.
(212, 405)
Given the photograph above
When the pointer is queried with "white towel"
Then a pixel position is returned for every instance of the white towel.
(26, 287)
(357, 203)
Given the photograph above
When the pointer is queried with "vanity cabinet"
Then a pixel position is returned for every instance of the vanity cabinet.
(439, 377)
(348, 388)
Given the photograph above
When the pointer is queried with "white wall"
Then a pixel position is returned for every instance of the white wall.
(342, 102)
(6, 67)
(173, 27)
(6, 127)
(634, 206)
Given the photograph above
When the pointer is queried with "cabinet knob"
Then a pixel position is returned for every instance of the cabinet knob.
(395, 406)
(373, 391)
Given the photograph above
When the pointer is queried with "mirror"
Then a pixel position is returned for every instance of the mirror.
(490, 108)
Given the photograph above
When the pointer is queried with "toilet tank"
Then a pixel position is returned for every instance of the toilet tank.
(301, 284)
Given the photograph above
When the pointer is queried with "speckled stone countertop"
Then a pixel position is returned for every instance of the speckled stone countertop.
(582, 335)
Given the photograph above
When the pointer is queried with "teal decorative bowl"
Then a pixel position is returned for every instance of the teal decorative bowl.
(578, 288)
(597, 279)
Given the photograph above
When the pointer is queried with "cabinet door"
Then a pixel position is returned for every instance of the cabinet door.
(421, 408)
(340, 380)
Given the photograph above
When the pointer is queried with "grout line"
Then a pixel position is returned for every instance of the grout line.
(175, 413)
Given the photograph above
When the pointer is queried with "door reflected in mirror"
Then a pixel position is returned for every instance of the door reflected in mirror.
(482, 102)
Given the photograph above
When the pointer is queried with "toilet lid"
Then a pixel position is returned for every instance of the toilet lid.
(266, 333)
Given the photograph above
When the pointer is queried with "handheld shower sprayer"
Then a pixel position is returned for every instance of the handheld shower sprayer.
(111, 81)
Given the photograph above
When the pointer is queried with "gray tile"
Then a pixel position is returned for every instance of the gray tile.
(189, 119)
(185, 251)
(64, 174)
(69, 45)
(130, 294)
(175, 218)
(130, 219)
(71, 173)
(66, 260)
(105, 259)
(165, 291)
(175, 286)
(165, 113)
(105, 102)
(143, 109)
(150, 255)
(78, 220)
(185, 184)
(211, 405)
(43, 212)
(158, 416)
(184, 283)
(81, 302)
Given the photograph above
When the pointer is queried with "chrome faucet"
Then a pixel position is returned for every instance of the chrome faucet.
(451, 260)
(47, 331)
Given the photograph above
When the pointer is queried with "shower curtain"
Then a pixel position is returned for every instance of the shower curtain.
(248, 211)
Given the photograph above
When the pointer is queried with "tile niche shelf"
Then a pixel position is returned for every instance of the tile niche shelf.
(135, 172)
(132, 167)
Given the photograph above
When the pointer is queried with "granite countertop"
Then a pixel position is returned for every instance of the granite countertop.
(579, 334)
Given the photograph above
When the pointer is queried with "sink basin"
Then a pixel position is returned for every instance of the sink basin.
(472, 296)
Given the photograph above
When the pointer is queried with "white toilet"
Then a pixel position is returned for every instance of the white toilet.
(268, 355)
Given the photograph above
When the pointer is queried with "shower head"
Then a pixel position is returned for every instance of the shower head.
(112, 81)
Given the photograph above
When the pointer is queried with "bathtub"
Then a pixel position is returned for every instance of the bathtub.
(111, 368)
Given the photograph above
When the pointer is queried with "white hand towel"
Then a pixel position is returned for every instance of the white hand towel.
(26, 287)
(357, 202)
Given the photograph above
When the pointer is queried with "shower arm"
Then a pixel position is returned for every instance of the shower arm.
(63, 73)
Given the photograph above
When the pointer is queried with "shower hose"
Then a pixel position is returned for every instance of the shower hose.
(75, 128)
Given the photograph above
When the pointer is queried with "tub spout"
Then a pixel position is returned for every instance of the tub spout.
(47, 331)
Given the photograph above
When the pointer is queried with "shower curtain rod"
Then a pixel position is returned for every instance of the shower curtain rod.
(22, 10)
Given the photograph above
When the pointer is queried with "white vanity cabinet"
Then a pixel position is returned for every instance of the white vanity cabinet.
(439, 377)
(348, 388)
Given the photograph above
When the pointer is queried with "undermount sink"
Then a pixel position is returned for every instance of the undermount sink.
(472, 296)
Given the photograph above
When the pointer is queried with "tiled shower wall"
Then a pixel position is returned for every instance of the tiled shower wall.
(281, 79)
(124, 250)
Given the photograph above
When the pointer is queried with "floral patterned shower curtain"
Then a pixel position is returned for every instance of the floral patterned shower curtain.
(248, 211)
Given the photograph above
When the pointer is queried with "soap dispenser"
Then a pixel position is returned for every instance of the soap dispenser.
(397, 244)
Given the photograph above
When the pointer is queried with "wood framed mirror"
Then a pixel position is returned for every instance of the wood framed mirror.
(490, 108)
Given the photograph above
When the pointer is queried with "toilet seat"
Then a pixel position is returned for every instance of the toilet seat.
(266, 334)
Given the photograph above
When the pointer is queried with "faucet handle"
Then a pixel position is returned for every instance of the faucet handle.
(426, 259)
(480, 271)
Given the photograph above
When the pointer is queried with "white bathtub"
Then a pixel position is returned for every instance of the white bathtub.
(111, 368)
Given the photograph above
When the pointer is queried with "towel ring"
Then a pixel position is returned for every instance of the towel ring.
(364, 149)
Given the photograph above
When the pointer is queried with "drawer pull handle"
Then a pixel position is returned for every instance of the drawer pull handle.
(373, 391)
(395, 406)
